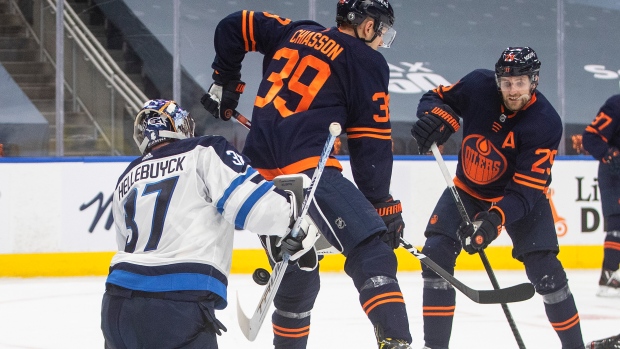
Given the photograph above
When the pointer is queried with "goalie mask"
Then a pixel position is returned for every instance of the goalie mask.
(161, 120)
(354, 12)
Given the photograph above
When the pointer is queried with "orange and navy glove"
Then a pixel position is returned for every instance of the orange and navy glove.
(612, 158)
(435, 126)
(223, 96)
(390, 211)
(489, 225)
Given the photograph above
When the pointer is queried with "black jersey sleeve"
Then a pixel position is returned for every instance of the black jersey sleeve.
(242, 32)
(604, 130)
(457, 95)
(368, 128)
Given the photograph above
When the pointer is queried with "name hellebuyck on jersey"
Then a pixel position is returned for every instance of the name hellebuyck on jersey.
(149, 170)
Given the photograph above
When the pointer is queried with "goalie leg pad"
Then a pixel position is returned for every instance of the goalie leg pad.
(372, 266)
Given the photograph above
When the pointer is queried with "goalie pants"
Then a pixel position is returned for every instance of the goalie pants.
(134, 319)
(351, 224)
(535, 244)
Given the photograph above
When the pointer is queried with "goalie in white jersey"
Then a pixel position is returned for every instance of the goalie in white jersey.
(175, 211)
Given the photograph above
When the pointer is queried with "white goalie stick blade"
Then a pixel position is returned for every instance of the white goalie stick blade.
(511, 294)
(251, 326)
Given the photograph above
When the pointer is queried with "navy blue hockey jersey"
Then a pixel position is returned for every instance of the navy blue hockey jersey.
(604, 131)
(505, 157)
(312, 76)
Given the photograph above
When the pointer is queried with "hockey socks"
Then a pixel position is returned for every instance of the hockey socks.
(611, 257)
(563, 316)
(372, 266)
(385, 307)
(438, 304)
(290, 330)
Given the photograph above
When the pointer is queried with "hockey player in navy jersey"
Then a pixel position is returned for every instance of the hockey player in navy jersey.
(175, 210)
(510, 138)
(602, 140)
(314, 76)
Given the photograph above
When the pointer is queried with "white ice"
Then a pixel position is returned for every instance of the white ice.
(64, 313)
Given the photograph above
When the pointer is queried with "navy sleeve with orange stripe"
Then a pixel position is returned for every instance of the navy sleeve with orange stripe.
(369, 129)
(539, 140)
(604, 131)
(242, 32)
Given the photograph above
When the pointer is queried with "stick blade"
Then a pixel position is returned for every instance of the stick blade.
(244, 323)
(512, 294)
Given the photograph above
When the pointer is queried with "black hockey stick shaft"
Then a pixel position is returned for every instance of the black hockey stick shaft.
(512, 294)
(483, 257)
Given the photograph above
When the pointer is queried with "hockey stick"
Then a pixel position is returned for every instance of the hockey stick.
(238, 116)
(483, 256)
(250, 326)
(512, 294)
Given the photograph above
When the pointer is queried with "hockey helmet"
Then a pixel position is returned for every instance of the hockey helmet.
(354, 12)
(160, 120)
(517, 61)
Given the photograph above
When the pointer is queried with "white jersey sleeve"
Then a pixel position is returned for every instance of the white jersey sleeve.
(175, 212)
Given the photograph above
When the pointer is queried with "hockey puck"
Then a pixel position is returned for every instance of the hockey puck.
(261, 276)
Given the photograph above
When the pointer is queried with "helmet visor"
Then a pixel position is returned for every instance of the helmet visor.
(387, 33)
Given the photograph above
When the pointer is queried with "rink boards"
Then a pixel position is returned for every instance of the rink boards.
(55, 217)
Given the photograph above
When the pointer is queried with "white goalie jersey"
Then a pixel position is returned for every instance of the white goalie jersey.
(175, 212)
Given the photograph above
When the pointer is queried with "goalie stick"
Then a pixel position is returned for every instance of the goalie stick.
(483, 256)
(250, 326)
(511, 294)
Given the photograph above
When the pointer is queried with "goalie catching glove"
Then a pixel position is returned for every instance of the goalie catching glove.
(223, 96)
(485, 228)
(391, 213)
(435, 126)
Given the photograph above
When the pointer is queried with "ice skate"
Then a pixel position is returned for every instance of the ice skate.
(607, 343)
(609, 284)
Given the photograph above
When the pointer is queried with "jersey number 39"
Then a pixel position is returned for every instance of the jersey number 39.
(292, 71)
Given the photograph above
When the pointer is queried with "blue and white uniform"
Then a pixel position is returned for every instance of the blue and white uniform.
(175, 212)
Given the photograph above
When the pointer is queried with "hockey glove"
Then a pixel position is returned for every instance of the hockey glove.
(435, 126)
(223, 97)
(489, 225)
(300, 249)
(390, 211)
(612, 158)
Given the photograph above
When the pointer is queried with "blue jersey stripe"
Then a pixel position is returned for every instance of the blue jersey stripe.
(231, 188)
(162, 283)
(245, 209)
